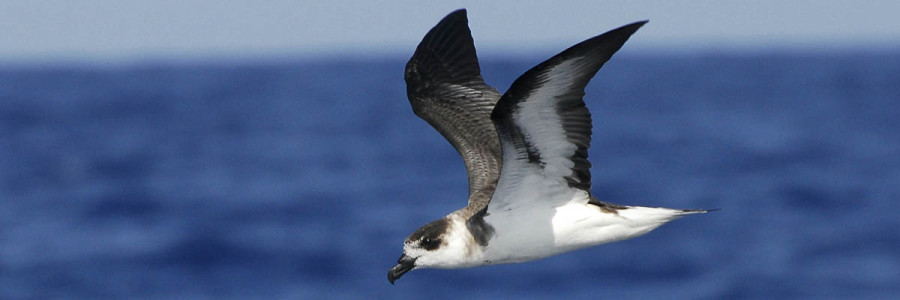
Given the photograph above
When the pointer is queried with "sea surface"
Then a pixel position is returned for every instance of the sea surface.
(300, 179)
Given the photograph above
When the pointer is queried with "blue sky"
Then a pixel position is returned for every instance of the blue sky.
(98, 30)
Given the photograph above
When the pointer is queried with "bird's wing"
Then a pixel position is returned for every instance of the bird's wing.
(545, 127)
(445, 88)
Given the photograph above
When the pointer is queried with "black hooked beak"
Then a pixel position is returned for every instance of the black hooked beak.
(404, 264)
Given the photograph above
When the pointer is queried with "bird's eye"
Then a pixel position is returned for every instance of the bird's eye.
(430, 243)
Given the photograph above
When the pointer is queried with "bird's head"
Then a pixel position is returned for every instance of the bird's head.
(439, 244)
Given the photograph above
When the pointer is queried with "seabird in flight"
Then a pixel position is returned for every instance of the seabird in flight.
(525, 154)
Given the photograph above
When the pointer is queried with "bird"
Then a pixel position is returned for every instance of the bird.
(525, 153)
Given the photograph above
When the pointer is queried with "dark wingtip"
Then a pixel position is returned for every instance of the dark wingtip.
(456, 16)
(699, 211)
(627, 30)
(635, 25)
(446, 54)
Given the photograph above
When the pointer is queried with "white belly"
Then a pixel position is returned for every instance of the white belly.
(534, 233)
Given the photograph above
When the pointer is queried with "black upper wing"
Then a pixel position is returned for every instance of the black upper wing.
(445, 88)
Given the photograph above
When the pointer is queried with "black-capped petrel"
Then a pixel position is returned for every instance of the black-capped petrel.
(525, 153)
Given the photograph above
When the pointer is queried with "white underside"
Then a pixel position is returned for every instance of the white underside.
(534, 211)
(535, 232)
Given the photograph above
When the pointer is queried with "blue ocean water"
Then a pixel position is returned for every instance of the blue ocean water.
(300, 179)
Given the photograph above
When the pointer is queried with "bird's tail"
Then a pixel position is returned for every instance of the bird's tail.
(658, 214)
(696, 211)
